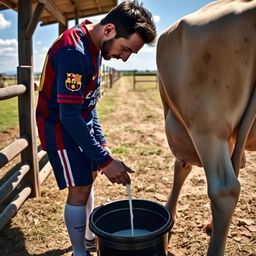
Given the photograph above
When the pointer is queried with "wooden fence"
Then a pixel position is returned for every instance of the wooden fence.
(25, 177)
(108, 76)
(144, 77)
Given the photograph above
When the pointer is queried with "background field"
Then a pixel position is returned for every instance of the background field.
(134, 127)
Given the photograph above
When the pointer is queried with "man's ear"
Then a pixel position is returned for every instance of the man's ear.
(110, 30)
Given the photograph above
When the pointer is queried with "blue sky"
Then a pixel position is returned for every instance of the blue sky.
(165, 13)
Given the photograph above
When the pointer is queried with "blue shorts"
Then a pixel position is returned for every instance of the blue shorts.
(72, 167)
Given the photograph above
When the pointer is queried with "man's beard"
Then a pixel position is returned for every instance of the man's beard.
(106, 48)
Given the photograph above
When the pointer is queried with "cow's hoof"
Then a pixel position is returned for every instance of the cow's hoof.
(208, 228)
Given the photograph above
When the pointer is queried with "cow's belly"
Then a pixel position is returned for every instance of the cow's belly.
(179, 141)
(182, 146)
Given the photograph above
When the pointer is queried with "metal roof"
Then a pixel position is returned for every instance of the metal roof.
(52, 11)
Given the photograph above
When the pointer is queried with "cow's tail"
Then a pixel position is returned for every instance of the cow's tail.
(244, 129)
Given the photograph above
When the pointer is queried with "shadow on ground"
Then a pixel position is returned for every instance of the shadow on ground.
(12, 243)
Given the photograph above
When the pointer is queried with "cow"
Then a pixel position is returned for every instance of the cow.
(206, 65)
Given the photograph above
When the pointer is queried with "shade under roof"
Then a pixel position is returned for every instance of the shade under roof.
(64, 10)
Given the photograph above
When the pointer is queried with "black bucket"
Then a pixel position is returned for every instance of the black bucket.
(115, 216)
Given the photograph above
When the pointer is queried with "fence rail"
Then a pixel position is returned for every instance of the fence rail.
(12, 150)
(151, 77)
(27, 176)
(12, 91)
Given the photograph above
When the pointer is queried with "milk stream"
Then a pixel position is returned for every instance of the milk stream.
(128, 188)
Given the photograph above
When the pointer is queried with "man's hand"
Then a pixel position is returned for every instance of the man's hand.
(117, 172)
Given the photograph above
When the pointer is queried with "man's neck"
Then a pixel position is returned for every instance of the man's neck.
(95, 30)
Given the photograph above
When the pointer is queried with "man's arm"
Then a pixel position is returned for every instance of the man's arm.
(70, 116)
(98, 132)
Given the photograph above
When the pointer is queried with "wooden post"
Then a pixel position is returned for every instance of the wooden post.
(104, 75)
(62, 28)
(134, 79)
(26, 101)
(108, 76)
(76, 16)
(111, 77)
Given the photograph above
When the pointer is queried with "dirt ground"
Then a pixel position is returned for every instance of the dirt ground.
(135, 133)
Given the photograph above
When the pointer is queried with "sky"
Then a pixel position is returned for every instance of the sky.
(165, 13)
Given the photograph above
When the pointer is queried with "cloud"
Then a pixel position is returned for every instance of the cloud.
(8, 47)
(3, 22)
(156, 18)
(140, 61)
(8, 54)
(39, 62)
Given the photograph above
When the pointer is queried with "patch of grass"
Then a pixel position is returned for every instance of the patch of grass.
(129, 144)
(145, 86)
(8, 113)
(131, 130)
(156, 97)
(108, 103)
(150, 150)
(120, 150)
(150, 89)
(105, 107)
(124, 148)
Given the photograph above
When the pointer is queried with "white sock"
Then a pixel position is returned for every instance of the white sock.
(75, 219)
(89, 235)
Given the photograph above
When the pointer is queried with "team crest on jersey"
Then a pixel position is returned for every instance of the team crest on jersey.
(73, 82)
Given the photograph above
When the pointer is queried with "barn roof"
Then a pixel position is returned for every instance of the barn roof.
(61, 11)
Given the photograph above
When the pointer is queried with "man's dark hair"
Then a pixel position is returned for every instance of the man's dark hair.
(131, 17)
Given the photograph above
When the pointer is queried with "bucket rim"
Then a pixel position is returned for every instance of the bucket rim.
(103, 234)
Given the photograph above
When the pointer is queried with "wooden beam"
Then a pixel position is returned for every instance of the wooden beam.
(62, 28)
(52, 8)
(26, 101)
(41, 154)
(98, 5)
(76, 12)
(27, 126)
(2, 7)
(76, 17)
(81, 13)
(13, 182)
(12, 150)
(14, 206)
(33, 23)
(24, 44)
(12, 91)
(44, 173)
(8, 4)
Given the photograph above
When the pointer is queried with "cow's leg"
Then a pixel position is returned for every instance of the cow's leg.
(223, 187)
(180, 174)
(208, 227)
(180, 145)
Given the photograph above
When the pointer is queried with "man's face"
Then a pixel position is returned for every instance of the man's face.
(121, 48)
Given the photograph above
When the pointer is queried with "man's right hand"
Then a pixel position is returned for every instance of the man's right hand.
(117, 172)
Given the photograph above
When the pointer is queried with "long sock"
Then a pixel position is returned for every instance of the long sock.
(75, 217)
(89, 235)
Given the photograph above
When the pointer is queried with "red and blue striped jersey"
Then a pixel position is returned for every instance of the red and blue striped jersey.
(69, 90)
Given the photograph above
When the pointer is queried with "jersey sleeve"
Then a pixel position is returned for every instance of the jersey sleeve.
(71, 81)
(70, 115)
(72, 75)
(98, 133)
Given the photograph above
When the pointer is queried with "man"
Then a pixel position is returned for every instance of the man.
(67, 120)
